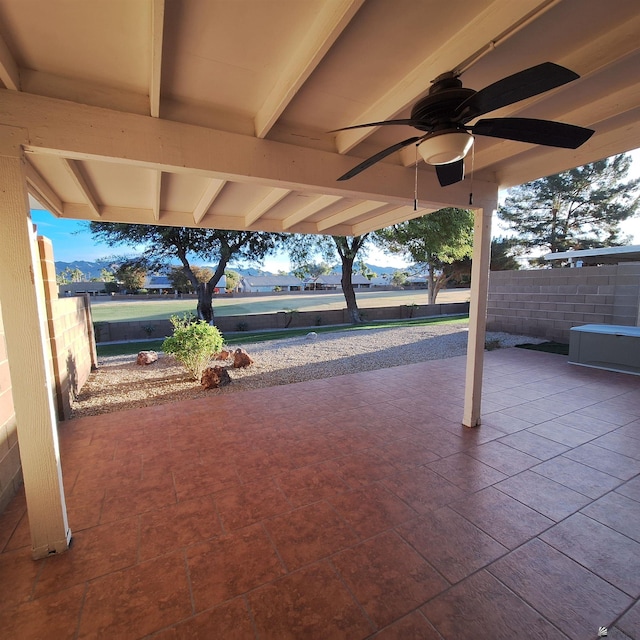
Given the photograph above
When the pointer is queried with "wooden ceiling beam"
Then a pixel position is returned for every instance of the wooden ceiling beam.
(490, 25)
(157, 28)
(268, 202)
(81, 183)
(331, 18)
(206, 200)
(319, 203)
(42, 192)
(349, 214)
(9, 72)
(156, 192)
(388, 218)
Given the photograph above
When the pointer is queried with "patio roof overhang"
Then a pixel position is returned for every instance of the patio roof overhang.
(215, 114)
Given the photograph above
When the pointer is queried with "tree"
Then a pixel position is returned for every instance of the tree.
(435, 239)
(579, 209)
(180, 282)
(399, 278)
(131, 275)
(303, 247)
(70, 275)
(166, 243)
(502, 256)
(232, 279)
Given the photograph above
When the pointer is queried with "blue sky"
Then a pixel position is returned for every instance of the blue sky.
(72, 240)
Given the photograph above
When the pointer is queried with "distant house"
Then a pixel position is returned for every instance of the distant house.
(268, 283)
(157, 284)
(93, 288)
(333, 282)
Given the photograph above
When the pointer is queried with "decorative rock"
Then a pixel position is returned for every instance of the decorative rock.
(215, 377)
(241, 359)
(146, 357)
(223, 355)
(312, 335)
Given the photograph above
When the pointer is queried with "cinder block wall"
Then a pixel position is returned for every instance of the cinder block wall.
(10, 468)
(546, 303)
(73, 353)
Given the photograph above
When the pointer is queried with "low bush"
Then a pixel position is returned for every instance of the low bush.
(193, 344)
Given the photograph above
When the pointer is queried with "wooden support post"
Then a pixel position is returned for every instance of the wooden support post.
(24, 318)
(478, 313)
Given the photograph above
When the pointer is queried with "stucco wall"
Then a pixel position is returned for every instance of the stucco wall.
(547, 303)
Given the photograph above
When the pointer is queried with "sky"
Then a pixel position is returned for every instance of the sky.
(72, 240)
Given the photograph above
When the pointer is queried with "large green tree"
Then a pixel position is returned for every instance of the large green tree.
(164, 244)
(579, 209)
(434, 240)
(304, 247)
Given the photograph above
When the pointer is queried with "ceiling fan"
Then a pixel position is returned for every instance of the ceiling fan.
(444, 112)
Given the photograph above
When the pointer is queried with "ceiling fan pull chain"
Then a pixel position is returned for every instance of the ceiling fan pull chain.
(473, 162)
(415, 184)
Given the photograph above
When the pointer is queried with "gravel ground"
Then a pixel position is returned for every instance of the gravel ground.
(121, 384)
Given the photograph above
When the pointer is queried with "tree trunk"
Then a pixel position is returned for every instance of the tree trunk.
(205, 302)
(349, 292)
(432, 293)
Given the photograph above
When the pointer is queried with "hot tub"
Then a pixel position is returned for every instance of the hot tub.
(606, 346)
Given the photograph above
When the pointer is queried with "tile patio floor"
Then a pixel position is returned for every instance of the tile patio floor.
(353, 507)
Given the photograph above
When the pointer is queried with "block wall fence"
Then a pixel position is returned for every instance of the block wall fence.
(546, 303)
(72, 357)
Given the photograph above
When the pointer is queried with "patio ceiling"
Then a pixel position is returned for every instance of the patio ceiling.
(215, 113)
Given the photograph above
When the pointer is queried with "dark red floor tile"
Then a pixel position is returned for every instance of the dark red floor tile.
(371, 510)
(199, 480)
(406, 453)
(619, 443)
(568, 595)
(423, 489)
(137, 601)
(245, 504)
(52, 616)
(506, 520)
(577, 476)
(561, 433)
(19, 572)
(631, 489)
(176, 526)
(309, 534)
(630, 622)
(600, 549)
(312, 603)
(615, 464)
(310, 484)
(452, 544)
(387, 577)
(534, 445)
(544, 495)
(231, 565)
(502, 457)
(412, 627)
(466, 472)
(481, 608)
(229, 621)
(618, 512)
(362, 468)
(504, 423)
(94, 552)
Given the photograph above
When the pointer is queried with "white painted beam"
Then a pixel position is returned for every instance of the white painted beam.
(388, 218)
(331, 18)
(9, 73)
(349, 214)
(42, 191)
(80, 182)
(478, 31)
(267, 203)
(157, 27)
(478, 312)
(24, 318)
(156, 193)
(321, 202)
(210, 194)
(84, 132)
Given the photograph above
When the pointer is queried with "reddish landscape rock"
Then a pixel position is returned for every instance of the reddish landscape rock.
(241, 359)
(215, 377)
(146, 357)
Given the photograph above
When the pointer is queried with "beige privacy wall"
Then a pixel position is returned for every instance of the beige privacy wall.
(546, 303)
(72, 357)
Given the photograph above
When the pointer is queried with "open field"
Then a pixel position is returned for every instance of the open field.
(137, 309)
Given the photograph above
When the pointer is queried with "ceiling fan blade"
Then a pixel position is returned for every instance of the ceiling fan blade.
(378, 156)
(450, 173)
(406, 121)
(545, 132)
(519, 86)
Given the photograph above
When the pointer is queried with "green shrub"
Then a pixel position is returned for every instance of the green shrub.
(193, 344)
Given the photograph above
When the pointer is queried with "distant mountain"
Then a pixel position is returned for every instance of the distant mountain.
(93, 269)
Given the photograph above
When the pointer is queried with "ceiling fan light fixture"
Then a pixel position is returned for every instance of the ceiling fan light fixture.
(445, 147)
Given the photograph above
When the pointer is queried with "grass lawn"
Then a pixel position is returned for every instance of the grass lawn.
(148, 310)
(247, 337)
